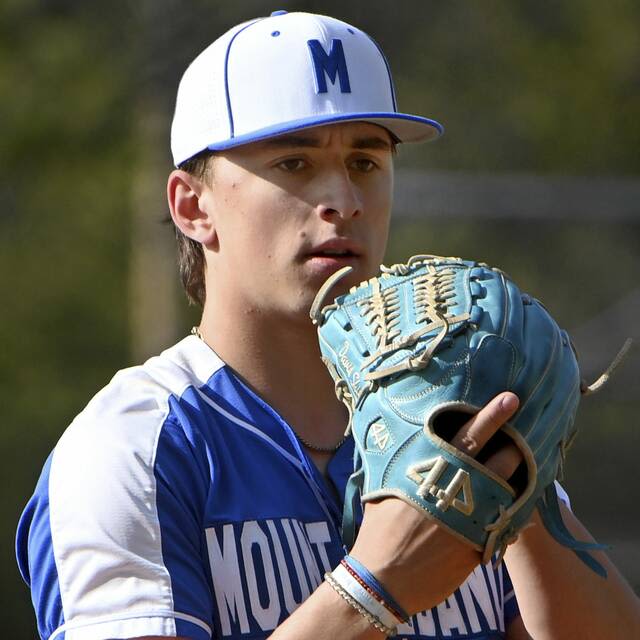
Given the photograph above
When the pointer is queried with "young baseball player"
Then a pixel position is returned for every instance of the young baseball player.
(200, 494)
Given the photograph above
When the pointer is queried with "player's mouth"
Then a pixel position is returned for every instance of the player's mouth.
(333, 254)
(326, 258)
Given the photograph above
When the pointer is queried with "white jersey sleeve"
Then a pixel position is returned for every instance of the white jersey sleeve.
(111, 540)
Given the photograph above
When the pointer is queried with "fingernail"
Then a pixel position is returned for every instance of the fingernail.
(509, 402)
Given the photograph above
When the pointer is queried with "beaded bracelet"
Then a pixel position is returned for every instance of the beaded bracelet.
(365, 597)
(369, 582)
(370, 617)
(399, 616)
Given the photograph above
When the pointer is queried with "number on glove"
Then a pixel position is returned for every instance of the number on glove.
(447, 497)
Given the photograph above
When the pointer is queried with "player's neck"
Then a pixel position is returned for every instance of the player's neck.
(281, 362)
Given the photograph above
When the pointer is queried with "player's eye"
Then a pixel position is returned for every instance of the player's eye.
(364, 165)
(292, 165)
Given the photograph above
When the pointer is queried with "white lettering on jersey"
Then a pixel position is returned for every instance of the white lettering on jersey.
(476, 585)
(226, 579)
(267, 616)
(476, 597)
(252, 546)
(470, 607)
(501, 599)
(426, 625)
(281, 562)
(407, 627)
(285, 579)
(497, 602)
(310, 562)
(450, 617)
(318, 534)
(297, 562)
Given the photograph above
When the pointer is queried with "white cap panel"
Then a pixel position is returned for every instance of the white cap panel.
(277, 74)
(289, 93)
(201, 103)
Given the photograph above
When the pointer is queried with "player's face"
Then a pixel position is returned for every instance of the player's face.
(290, 211)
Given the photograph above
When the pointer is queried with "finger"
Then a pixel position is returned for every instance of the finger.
(505, 461)
(476, 432)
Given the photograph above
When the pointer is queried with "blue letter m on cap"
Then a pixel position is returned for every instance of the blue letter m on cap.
(329, 64)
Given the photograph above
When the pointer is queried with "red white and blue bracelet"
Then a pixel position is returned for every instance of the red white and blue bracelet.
(360, 588)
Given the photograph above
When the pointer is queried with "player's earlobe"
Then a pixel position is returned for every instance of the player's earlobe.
(185, 196)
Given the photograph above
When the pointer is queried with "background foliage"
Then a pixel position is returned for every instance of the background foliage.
(519, 88)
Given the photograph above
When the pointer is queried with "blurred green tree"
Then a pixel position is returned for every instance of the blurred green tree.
(519, 88)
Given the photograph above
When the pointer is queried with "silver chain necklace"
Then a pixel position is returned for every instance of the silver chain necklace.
(315, 447)
(195, 331)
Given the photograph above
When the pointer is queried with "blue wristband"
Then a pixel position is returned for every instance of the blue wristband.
(371, 581)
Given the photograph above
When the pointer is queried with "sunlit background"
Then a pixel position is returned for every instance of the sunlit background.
(538, 173)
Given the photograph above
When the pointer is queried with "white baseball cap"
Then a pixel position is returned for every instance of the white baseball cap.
(283, 73)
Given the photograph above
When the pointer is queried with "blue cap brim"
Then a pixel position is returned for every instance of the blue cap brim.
(405, 127)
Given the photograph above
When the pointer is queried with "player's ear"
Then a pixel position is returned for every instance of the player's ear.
(187, 206)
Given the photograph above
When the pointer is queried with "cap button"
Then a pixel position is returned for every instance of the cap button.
(279, 12)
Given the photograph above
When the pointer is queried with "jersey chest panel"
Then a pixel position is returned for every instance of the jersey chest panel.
(271, 532)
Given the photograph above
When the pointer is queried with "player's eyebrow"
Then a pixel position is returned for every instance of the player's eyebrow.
(373, 143)
(310, 141)
(292, 141)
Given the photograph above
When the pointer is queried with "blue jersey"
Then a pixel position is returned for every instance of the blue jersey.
(180, 503)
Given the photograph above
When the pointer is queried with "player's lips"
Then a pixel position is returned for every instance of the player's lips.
(325, 258)
(336, 248)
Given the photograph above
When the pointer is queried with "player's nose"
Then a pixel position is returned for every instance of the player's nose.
(340, 197)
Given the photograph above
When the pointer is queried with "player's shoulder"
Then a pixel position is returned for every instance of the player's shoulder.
(139, 399)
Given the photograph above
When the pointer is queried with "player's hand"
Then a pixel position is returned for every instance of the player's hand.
(419, 562)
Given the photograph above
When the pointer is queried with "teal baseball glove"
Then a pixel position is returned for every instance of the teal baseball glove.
(425, 342)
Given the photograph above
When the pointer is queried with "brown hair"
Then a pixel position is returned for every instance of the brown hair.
(191, 262)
